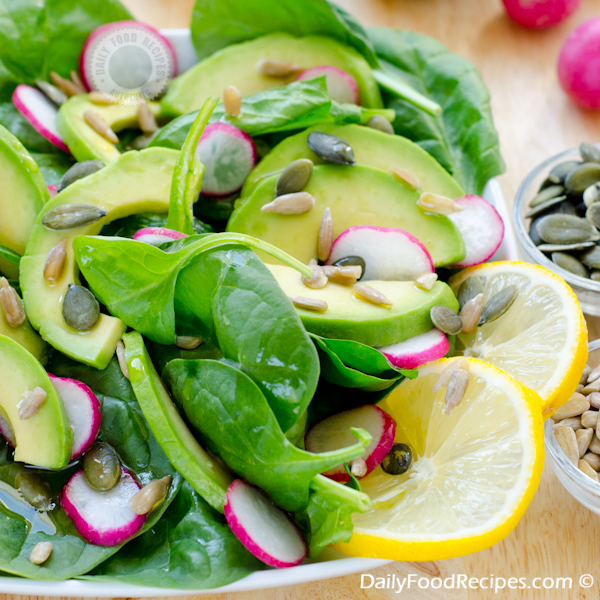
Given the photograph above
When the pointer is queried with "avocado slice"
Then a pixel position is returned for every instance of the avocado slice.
(372, 148)
(83, 141)
(43, 440)
(349, 318)
(356, 196)
(236, 65)
(136, 182)
(204, 473)
(23, 193)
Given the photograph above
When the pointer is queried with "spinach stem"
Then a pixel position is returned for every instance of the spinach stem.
(360, 500)
(395, 85)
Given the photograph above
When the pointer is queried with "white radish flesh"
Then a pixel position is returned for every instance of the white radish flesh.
(341, 86)
(155, 236)
(417, 350)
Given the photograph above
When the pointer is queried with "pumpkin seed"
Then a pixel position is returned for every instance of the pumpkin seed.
(352, 261)
(546, 194)
(102, 98)
(446, 320)
(592, 214)
(120, 351)
(591, 194)
(544, 206)
(311, 304)
(460, 362)
(34, 489)
(566, 439)
(457, 387)
(589, 152)
(381, 124)
(471, 313)
(150, 495)
(141, 141)
(65, 85)
(405, 177)
(435, 203)
(42, 550)
(565, 229)
(290, 204)
(11, 304)
(560, 171)
(469, 289)
(268, 67)
(498, 304)
(566, 247)
(342, 275)
(569, 263)
(295, 177)
(100, 126)
(367, 293)
(582, 177)
(331, 148)
(398, 460)
(29, 406)
(146, 119)
(587, 469)
(80, 310)
(79, 171)
(426, 281)
(318, 279)
(186, 342)
(232, 101)
(325, 239)
(102, 467)
(72, 216)
(57, 96)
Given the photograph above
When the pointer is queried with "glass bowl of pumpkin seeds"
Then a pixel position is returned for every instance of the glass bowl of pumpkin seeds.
(572, 436)
(557, 220)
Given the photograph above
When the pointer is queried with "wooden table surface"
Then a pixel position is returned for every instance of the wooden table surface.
(557, 536)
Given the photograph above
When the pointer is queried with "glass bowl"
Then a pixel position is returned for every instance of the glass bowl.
(587, 291)
(580, 486)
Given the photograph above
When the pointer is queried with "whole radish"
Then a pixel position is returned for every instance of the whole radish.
(579, 64)
(540, 13)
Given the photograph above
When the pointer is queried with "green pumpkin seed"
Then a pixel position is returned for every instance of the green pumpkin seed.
(34, 489)
(446, 320)
(592, 214)
(79, 171)
(546, 194)
(569, 263)
(72, 216)
(559, 173)
(57, 96)
(101, 467)
(331, 148)
(565, 247)
(398, 460)
(544, 206)
(565, 229)
(582, 177)
(141, 141)
(80, 310)
(295, 177)
(470, 287)
(352, 261)
(591, 257)
(381, 124)
(591, 194)
(498, 304)
(589, 152)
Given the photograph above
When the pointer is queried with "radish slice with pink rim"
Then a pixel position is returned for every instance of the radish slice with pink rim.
(390, 254)
(334, 433)
(41, 113)
(341, 86)
(481, 227)
(266, 531)
(83, 411)
(52, 190)
(155, 236)
(417, 350)
(102, 518)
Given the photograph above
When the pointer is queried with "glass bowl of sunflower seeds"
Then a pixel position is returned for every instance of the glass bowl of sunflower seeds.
(572, 436)
(557, 220)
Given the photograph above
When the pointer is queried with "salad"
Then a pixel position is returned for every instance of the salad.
(247, 309)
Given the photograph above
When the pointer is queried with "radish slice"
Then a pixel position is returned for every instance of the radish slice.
(334, 433)
(265, 530)
(83, 411)
(389, 254)
(41, 113)
(52, 190)
(86, 62)
(481, 227)
(102, 518)
(228, 155)
(7, 432)
(155, 236)
(417, 350)
(341, 86)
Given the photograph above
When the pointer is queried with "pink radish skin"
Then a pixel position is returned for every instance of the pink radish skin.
(540, 13)
(341, 86)
(102, 518)
(40, 112)
(389, 254)
(155, 236)
(579, 65)
(104, 29)
(52, 190)
(334, 433)
(417, 350)
(7, 432)
(481, 227)
(83, 411)
(228, 155)
(266, 531)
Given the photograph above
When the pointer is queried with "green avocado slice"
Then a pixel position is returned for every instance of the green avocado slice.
(356, 196)
(136, 182)
(236, 65)
(349, 318)
(43, 440)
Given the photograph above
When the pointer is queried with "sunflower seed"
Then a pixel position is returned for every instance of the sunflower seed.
(268, 67)
(566, 439)
(589, 152)
(342, 275)
(100, 126)
(150, 495)
(146, 119)
(29, 406)
(331, 148)
(592, 214)
(358, 467)
(72, 216)
(426, 281)
(587, 469)
(295, 177)
(593, 460)
(572, 422)
(79, 171)
(55, 262)
(544, 206)
(309, 304)
(560, 171)
(186, 342)
(594, 399)
(575, 406)
(381, 124)
(57, 96)
(470, 287)
(352, 261)
(102, 98)
(318, 279)
(405, 177)
(446, 320)
(595, 445)
(565, 229)
(589, 419)
(579, 388)
(435, 203)
(80, 310)
(41, 553)
(591, 194)
(595, 374)
(591, 387)
(582, 177)
(585, 374)
(76, 79)
(65, 85)
(369, 294)
(565, 247)
(14, 313)
(120, 350)
(591, 257)
(546, 194)
(498, 304)
(325, 240)
(595, 275)
(232, 101)
(471, 313)
(457, 387)
(290, 204)
(460, 362)
(569, 263)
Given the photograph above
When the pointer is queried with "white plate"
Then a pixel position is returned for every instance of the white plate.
(331, 564)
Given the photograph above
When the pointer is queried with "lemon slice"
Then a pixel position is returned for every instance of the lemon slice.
(541, 340)
(474, 471)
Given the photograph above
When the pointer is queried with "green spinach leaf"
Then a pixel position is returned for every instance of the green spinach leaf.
(53, 166)
(10, 256)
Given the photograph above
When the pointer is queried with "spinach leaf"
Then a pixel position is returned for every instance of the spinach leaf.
(191, 547)
(52, 166)
(8, 83)
(462, 138)
(353, 482)
(162, 355)
(128, 226)
(6, 254)
(230, 412)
